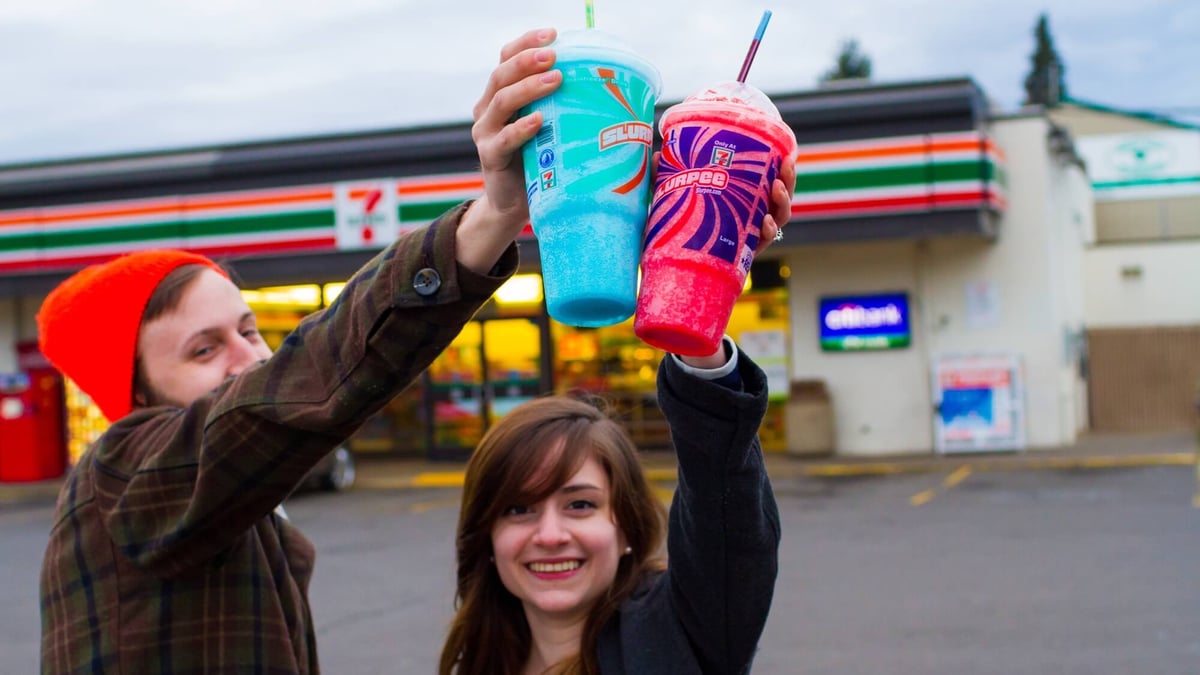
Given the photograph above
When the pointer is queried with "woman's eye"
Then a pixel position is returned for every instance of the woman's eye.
(251, 334)
(516, 510)
(202, 352)
(581, 504)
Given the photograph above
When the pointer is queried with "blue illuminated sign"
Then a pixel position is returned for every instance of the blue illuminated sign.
(862, 322)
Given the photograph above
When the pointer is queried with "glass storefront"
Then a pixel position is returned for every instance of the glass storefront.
(512, 352)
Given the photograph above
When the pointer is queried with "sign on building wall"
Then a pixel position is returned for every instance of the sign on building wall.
(1144, 165)
(864, 322)
(980, 403)
(367, 216)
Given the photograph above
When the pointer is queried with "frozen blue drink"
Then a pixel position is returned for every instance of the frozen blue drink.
(588, 180)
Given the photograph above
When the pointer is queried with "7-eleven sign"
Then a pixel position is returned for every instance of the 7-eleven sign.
(722, 157)
(367, 215)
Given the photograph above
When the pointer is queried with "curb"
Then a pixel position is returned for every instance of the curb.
(777, 468)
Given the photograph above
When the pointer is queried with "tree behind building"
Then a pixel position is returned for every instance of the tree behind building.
(852, 64)
(1046, 82)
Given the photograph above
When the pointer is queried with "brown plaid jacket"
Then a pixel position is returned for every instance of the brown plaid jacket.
(166, 555)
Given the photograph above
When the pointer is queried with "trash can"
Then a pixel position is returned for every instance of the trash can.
(808, 419)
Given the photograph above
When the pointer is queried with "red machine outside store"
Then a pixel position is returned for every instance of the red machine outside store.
(32, 432)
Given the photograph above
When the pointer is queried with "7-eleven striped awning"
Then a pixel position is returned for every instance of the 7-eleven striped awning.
(874, 178)
(900, 175)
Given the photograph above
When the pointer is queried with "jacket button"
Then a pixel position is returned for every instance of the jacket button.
(427, 281)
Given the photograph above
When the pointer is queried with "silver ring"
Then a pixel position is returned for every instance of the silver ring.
(779, 234)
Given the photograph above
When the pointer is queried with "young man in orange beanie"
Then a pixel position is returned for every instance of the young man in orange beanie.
(167, 554)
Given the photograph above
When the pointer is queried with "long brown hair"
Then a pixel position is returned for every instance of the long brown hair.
(489, 634)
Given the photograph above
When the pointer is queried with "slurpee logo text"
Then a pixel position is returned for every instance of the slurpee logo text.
(709, 178)
(626, 132)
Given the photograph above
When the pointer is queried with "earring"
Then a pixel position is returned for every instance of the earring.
(628, 550)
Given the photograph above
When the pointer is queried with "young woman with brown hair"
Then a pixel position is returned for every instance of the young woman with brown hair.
(560, 536)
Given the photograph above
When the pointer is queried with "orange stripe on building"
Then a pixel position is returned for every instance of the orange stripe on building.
(23, 218)
(181, 205)
(68, 214)
(225, 202)
(443, 186)
(911, 148)
(860, 153)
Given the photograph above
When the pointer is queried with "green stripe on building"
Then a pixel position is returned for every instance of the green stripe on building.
(1182, 180)
(243, 225)
(426, 210)
(302, 220)
(895, 176)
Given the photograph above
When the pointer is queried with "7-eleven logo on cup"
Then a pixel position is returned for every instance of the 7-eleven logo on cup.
(722, 157)
(548, 179)
(366, 214)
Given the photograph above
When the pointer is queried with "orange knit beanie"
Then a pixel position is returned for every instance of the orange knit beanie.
(88, 325)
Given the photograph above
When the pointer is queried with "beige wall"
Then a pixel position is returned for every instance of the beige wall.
(1148, 219)
(883, 400)
(8, 335)
(1087, 122)
(1141, 285)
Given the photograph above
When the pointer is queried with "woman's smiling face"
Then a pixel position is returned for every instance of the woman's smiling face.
(560, 555)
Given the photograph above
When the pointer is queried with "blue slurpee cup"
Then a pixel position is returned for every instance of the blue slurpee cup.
(588, 177)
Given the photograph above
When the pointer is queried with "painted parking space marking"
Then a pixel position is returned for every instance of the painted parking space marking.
(925, 496)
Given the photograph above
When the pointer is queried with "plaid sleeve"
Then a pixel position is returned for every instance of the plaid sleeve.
(176, 486)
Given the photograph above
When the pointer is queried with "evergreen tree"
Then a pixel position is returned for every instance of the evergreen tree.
(851, 64)
(1046, 82)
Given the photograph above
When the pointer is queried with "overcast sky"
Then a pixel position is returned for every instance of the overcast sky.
(93, 77)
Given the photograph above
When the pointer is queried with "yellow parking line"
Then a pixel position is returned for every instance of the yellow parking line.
(960, 474)
(439, 479)
(923, 497)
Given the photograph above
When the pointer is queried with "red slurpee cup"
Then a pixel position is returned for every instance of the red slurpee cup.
(722, 150)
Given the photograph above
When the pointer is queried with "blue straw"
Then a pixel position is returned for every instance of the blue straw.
(758, 35)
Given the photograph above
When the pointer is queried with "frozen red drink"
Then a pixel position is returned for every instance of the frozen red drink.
(722, 150)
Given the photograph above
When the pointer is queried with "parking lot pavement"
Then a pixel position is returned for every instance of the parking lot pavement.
(1095, 451)
(1062, 570)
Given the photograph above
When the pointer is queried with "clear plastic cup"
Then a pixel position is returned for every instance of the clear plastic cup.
(587, 177)
(722, 150)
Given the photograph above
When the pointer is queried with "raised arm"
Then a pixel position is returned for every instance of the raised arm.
(723, 535)
(179, 485)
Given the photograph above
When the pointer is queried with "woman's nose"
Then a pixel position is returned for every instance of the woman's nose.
(550, 530)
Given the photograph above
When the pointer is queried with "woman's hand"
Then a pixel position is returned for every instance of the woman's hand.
(523, 76)
(781, 201)
(781, 205)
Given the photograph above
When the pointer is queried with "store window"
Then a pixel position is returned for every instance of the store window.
(85, 422)
(614, 364)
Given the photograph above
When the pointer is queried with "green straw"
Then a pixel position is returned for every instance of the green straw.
(591, 14)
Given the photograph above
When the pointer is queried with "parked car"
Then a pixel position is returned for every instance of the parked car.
(334, 473)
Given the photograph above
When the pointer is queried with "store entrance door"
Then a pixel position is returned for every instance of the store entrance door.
(493, 366)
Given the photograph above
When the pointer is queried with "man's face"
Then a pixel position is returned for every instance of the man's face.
(210, 336)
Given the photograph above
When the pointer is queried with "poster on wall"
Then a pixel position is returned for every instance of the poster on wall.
(979, 401)
(768, 348)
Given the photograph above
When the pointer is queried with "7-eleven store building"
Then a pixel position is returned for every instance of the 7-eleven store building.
(927, 296)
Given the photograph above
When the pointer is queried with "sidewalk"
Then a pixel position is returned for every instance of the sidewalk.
(1103, 451)
(1092, 451)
